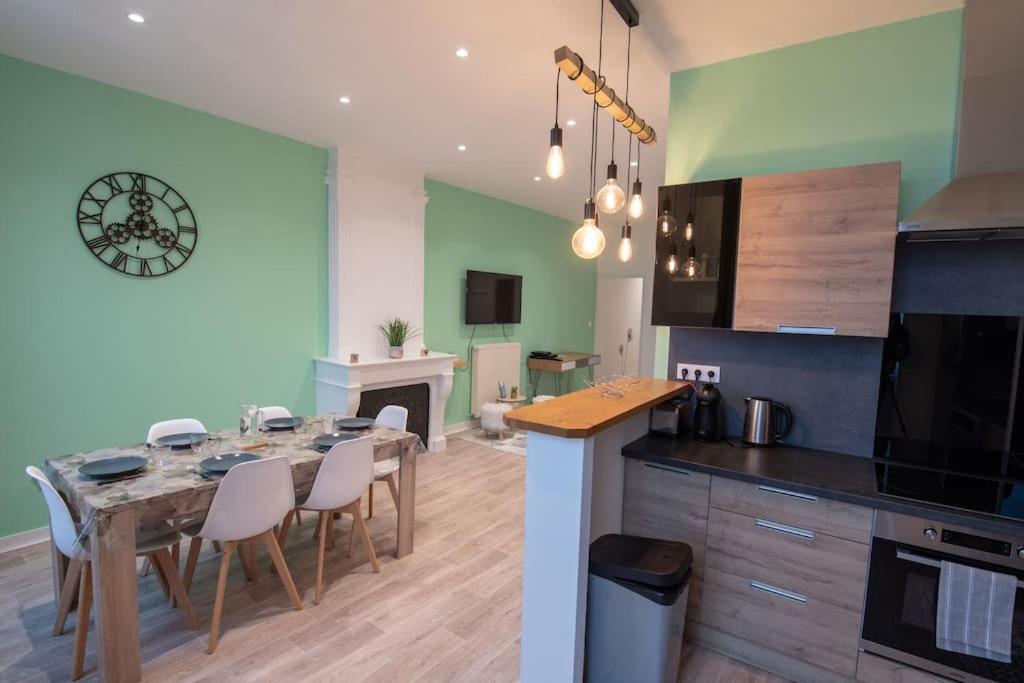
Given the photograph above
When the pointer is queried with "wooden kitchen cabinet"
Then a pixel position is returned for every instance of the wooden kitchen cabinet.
(816, 251)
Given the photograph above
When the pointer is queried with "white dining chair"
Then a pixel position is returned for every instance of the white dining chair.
(345, 472)
(185, 425)
(395, 417)
(271, 412)
(252, 499)
(151, 541)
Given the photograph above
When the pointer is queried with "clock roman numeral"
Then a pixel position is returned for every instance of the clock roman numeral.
(184, 251)
(168, 266)
(144, 269)
(187, 228)
(113, 185)
(98, 244)
(120, 262)
(93, 198)
(93, 218)
(180, 208)
(138, 182)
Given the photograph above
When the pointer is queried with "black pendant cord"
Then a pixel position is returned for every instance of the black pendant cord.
(593, 117)
(638, 143)
(629, 147)
(558, 81)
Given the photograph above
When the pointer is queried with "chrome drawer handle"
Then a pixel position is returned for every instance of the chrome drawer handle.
(804, 329)
(782, 593)
(784, 492)
(667, 468)
(792, 530)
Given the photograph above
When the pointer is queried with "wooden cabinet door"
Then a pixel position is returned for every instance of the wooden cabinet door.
(816, 251)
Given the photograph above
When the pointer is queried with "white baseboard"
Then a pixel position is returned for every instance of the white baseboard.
(457, 427)
(24, 539)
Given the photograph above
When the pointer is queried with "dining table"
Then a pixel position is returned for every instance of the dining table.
(174, 488)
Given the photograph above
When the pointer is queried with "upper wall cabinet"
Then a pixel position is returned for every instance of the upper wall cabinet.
(695, 265)
(816, 251)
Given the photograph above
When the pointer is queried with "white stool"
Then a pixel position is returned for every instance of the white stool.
(492, 418)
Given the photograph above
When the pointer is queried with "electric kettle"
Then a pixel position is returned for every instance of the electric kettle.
(766, 422)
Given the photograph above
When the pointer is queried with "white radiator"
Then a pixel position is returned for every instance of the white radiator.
(493, 362)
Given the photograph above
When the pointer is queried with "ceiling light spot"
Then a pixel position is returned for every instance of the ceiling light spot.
(462, 148)
(536, 178)
(634, 163)
(571, 122)
(344, 99)
(137, 18)
(462, 53)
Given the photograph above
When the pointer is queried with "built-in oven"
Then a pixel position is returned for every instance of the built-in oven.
(903, 587)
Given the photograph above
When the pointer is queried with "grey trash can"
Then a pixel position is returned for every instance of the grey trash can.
(636, 608)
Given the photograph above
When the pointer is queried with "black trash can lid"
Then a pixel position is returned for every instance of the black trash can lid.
(641, 560)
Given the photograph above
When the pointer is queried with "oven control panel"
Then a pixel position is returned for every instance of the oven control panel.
(958, 542)
(986, 545)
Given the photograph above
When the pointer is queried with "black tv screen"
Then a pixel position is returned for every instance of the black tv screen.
(493, 298)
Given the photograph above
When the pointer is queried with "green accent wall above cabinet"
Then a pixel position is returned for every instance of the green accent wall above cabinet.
(90, 357)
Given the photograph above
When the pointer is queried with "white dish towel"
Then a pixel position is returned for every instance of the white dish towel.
(975, 612)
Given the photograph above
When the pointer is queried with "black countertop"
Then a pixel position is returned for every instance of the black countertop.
(830, 475)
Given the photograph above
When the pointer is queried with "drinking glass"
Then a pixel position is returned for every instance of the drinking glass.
(246, 417)
(196, 441)
(211, 449)
(161, 455)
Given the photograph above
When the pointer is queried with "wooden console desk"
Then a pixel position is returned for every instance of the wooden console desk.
(564, 366)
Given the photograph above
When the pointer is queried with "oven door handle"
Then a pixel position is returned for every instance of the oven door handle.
(928, 562)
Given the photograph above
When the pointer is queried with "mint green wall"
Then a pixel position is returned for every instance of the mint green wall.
(881, 94)
(470, 231)
(90, 357)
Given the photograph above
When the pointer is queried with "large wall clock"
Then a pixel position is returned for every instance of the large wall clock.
(137, 224)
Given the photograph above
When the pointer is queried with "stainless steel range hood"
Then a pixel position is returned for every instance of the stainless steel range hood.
(986, 199)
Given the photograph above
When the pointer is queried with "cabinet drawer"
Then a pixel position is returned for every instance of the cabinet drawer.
(819, 515)
(874, 669)
(666, 503)
(825, 567)
(779, 618)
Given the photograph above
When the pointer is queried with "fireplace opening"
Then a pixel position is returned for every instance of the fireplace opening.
(414, 397)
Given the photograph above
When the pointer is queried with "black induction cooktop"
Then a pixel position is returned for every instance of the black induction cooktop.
(974, 479)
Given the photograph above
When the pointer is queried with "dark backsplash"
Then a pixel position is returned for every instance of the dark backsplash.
(831, 383)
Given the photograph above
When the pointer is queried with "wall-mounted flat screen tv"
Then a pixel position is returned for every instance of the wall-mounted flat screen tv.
(493, 298)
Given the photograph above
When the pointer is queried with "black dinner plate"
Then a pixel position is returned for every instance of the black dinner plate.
(178, 440)
(276, 424)
(354, 423)
(219, 464)
(324, 442)
(112, 467)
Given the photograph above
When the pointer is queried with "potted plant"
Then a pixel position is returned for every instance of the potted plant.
(514, 393)
(397, 332)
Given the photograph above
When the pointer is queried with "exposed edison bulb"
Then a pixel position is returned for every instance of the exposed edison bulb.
(588, 240)
(672, 265)
(691, 269)
(626, 243)
(688, 230)
(555, 166)
(636, 201)
(610, 198)
(666, 224)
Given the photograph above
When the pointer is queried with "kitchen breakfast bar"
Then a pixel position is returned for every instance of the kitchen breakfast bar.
(574, 477)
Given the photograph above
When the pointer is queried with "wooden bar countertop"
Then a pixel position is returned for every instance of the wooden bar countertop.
(584, 413)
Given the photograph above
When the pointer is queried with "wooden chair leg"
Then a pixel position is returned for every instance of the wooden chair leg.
(393, 487)
(364, 535)
(286, 525)
(352, 536)
(245, 560)
(370, 516)
(194, 547)
(330, 531)
(268, 539)
(158, 571)
(67, 595)
(164, 559)
(325, 521)
(298, 518)
(82, 623)
(218, 602)
(216, 546)
(175, 556)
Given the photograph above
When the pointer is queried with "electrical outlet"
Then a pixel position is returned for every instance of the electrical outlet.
(699, 373)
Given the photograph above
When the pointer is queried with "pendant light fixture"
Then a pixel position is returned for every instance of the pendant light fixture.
(626, 243)
(672, 264)
(611, 198)
(555, 166)
(691, 269)
(666, 221)
(588, 240)
(636, 201)
(688, 230)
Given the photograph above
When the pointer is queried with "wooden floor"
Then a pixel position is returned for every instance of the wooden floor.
(448, 612)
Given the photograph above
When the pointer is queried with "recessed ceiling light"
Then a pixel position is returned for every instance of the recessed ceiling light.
(344, 99)
(634, 163)
(462, 148)
(137, 18)
(536, 178)
(462, 52)
(571, 122)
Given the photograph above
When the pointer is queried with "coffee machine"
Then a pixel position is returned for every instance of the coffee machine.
(707, 418)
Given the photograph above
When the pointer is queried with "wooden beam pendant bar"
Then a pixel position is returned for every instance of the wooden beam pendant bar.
(572, 66)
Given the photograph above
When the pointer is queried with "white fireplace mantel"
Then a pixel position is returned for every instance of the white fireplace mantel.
(340, 383)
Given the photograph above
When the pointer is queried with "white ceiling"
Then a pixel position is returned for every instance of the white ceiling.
(282, 66)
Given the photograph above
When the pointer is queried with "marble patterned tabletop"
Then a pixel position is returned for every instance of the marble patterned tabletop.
(178, 489)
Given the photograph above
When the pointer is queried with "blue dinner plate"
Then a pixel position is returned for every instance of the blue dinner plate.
(178, 440)
(324, 442)
(276, 424)
(113, 467)
(354, 423)
(219, 464)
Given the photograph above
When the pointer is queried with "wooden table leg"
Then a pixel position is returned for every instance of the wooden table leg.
(115, 593)
(407, 503)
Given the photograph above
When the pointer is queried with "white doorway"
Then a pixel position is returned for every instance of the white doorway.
(617, 325)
